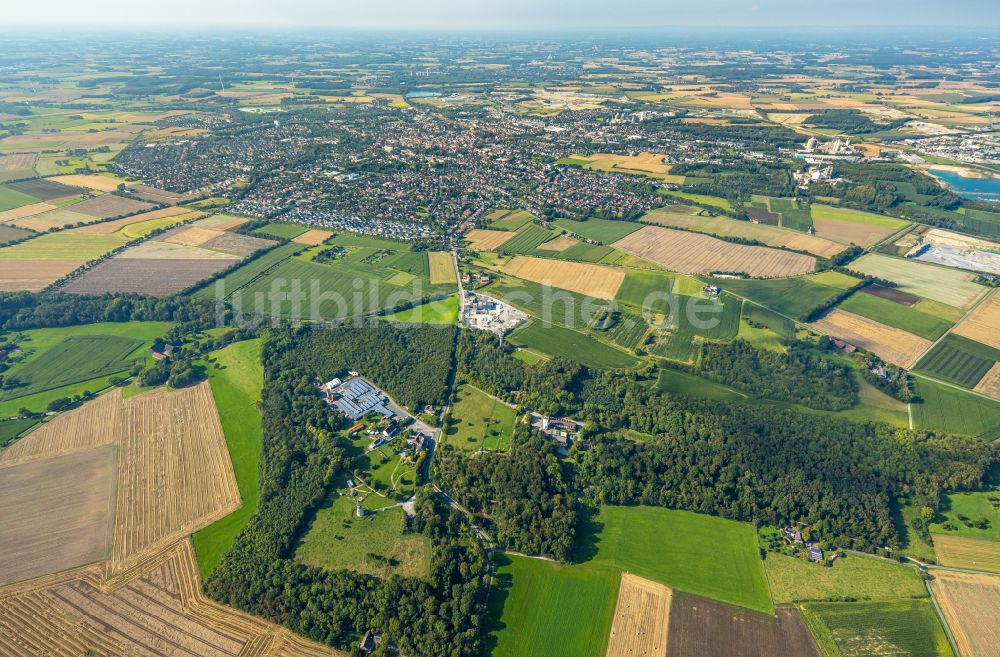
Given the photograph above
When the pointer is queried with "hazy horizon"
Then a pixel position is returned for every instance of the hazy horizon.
(510, 15)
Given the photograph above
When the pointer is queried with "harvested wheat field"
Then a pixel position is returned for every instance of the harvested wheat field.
(893, 344)
(442, 268)
(487, 240)
(558, 245)
(108, 227)
(641, 619)
(312, 237)
(18, 162)
(33, 275)
(175, 473)
(91, 425)
(963, 552)
(55, 218)
(990, 383)
(192, 236)
(155, 610)
(156, 195)
(236, 244)
(971, 605)
(694, 253)
(700, 627)
(649, 162)
(160, 250)
(770, 235)
(593, 280)
(983, 323)
(223, 222)
(58, 513)
(152, 276)
(98, 183)
(25, 211)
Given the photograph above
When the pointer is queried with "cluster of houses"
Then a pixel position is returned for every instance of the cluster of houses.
(563, 430)
(814, 551)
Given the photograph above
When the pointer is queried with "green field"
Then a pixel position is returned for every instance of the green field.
(793, 297)
(646, 290)
(253, 270)
(479, 421)
(375, 544)
(959, 360)
(236, 388)
(945, 284)
(792, 215)
(704, 555)
(820, 211)
(693, 317)
(527, 239)
(559, 341)
(975, 506)
(628, 332)
(567, 309)
(599, 230)
(442, 311)
(781, 326)
(286, 231)
(860, 629)
(951, 410)
(512, 220)
(794, 579)
(46, 368)
(895, 314)
(63, 246)
(540, 607)
(704, 199)
(11, 429)
(682, 383)
(11, 198)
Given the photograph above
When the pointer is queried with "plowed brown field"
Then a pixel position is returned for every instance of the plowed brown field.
(694, 253)
(641, 619)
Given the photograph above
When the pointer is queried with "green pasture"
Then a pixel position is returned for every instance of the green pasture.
(795, 579)
(895, 314)
(947, 409)
(902, 627)
(567, 343)
(479, 421)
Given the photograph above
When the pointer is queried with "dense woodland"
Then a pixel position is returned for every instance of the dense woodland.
(798, 376)
(301, 455)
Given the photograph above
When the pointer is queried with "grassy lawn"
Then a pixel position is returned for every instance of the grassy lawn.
(904, 627)
(704, 555)
(793, 297)
(478, 420)
(820, 211)
(682, 383)
(704, 199)
(442, 311)
(287, 231)
(236, 389)
(11, 429)
(600, 230)
(41, 342)
(944, 408)
(539, 607)
(374, 544)
(559, 341)
(794, 579)
(895, 314)
(974, 506)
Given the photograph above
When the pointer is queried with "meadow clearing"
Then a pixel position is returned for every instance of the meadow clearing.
(793, 579)
(950, 286)
(338, 539)
(236, 378)
(441, 311)
(693, 253)
(894, 345)
(478, 421)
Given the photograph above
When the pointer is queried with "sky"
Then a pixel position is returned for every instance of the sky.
(509, 15)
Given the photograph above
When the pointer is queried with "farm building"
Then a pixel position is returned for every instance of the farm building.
(357, 398)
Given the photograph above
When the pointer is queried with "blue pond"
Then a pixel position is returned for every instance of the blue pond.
(986, 189)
